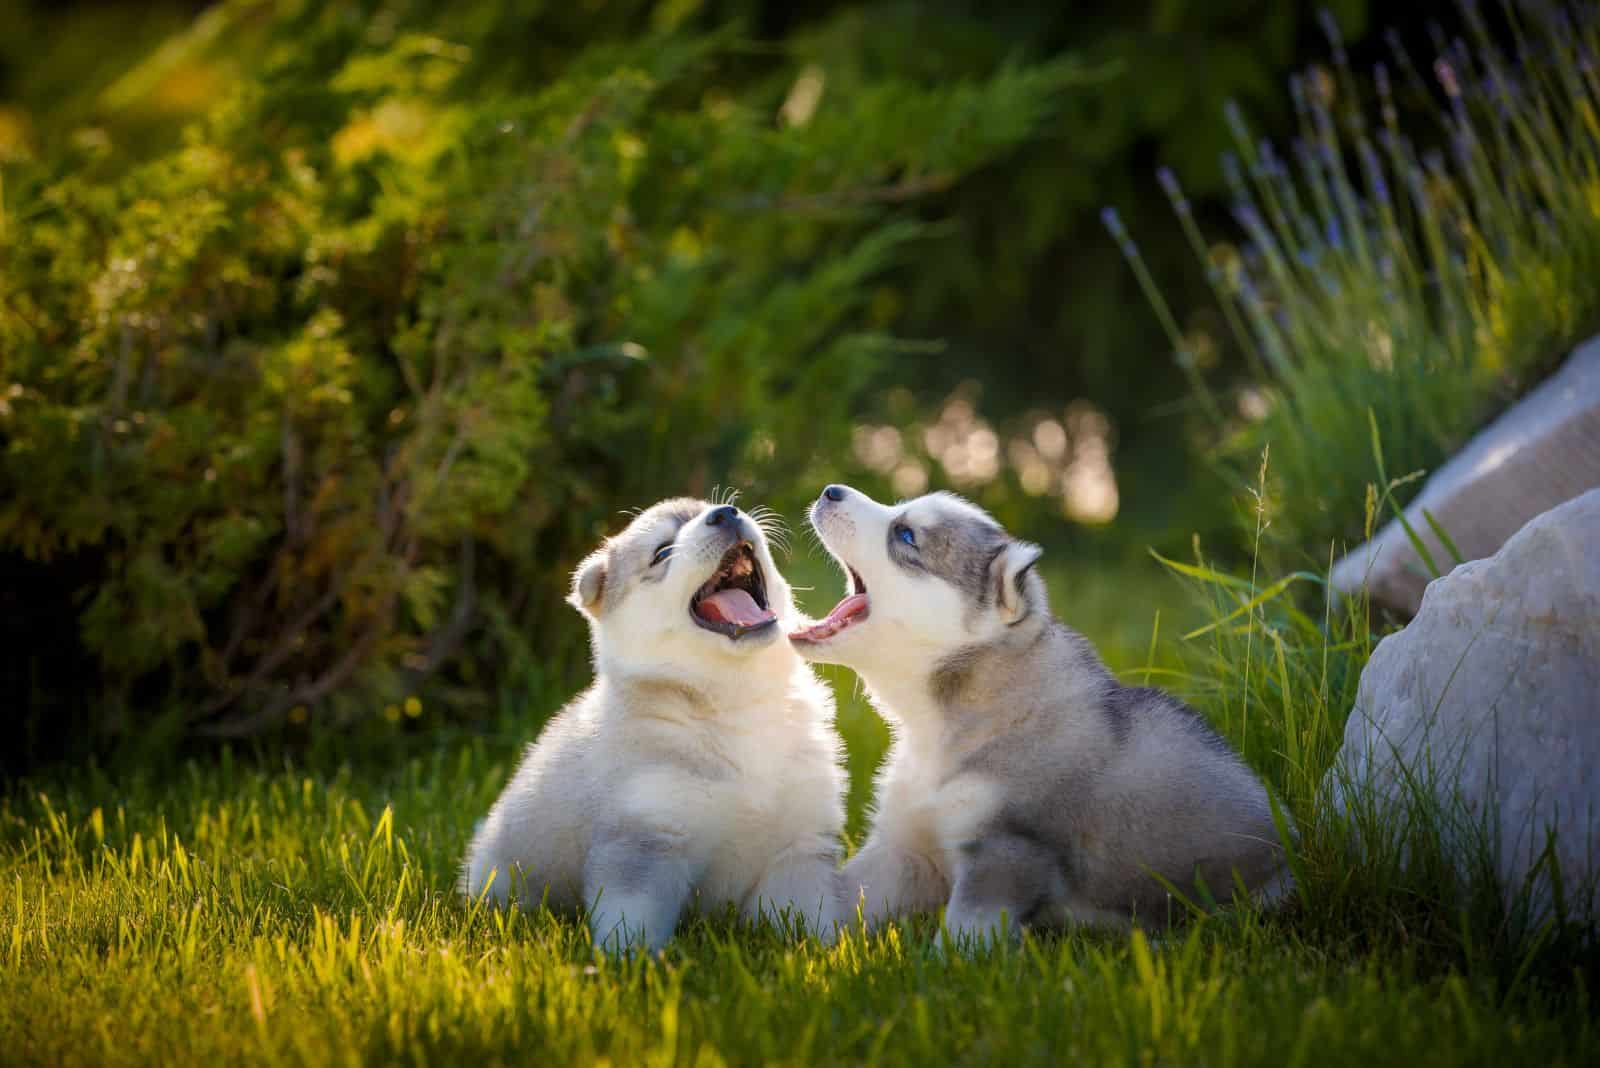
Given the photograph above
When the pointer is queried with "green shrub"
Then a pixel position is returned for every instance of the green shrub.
(331, 396)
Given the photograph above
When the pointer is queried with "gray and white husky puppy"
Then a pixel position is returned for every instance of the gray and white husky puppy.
(700, 767)
(1024, 781)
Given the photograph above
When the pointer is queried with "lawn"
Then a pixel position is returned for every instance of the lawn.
(299, 910)
(283, 915)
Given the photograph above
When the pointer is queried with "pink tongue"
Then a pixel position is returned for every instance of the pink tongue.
(847, 607)
(733, 606)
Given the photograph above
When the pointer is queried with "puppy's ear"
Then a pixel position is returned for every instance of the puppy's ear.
(1008, 576)
(589, 585)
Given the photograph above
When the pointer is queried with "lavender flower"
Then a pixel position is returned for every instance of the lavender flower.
(1235, 120)
(1248, 216)
(1231, 173)
(1447, 78)
(1330, 29)
(1374, 170)
(1169, 183)
(1119, 232)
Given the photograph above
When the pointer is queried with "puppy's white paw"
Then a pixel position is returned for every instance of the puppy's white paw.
(968, 930)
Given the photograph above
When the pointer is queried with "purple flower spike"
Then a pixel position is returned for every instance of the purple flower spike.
(1418, 187)
(1169, 183)
(1447, 78)
(1235, 118)
(1248, 217)
(1374, 169)
(1247, 289)
(1271, 165)
(1330, 29)
(1119, 232)
(1297, 92)
(1230, 171)
(1304, 156)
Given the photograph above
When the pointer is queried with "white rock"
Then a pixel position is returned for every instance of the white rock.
(1490, 699)
(1542, 451)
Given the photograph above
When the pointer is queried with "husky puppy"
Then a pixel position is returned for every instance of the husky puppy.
(700, 767)
(1024, 780)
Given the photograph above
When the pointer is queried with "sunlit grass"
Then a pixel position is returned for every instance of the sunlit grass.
(247, 914)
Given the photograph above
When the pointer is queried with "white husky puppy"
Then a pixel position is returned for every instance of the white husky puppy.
(1024, 780)
(700, 767)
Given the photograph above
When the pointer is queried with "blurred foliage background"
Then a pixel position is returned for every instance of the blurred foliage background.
(333, 333)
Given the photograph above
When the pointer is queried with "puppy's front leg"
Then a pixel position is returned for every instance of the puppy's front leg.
(804, 880)
(636, 881)
(885, 881)
(1002, 880)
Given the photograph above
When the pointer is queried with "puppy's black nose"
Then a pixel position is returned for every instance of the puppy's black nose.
(721, 515)
(834, 493)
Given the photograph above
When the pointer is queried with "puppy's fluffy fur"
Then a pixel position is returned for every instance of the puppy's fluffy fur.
(1024, 780)
(700, 767)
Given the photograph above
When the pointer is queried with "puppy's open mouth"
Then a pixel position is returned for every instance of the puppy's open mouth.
(854, 608)
(733, 601)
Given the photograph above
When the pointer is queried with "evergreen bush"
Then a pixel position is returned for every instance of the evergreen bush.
(316, 410)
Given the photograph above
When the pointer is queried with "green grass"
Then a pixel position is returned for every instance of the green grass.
(245, 914)
(299, 911)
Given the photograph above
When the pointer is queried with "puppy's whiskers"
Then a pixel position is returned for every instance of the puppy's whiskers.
(774, 527)
(814, 542)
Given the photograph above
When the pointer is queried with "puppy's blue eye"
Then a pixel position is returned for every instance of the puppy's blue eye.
(905, 535)
(662, 552)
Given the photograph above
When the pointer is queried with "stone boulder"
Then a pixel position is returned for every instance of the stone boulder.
(1542, 451)
(1490, 700)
